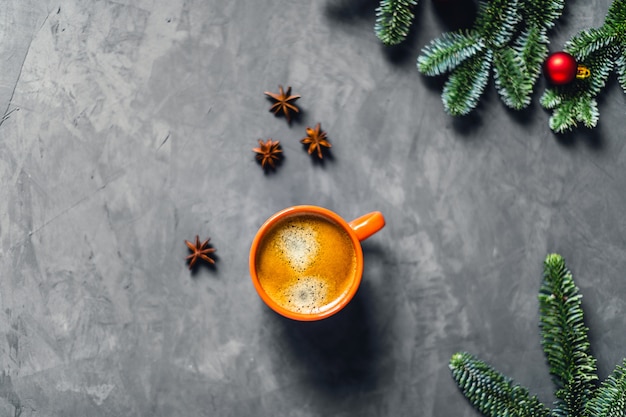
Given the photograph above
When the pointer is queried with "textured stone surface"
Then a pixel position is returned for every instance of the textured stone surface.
(128, 128)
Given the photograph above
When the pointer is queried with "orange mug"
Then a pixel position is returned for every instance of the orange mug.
(306, 262)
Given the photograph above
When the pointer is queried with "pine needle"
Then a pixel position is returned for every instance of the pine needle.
(465, 86)
(448, 52)
(393, 20)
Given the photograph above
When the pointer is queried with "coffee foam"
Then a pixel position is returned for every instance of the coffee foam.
(306, 295)
(299, 245)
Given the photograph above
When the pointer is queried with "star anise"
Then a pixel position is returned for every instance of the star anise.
(268, 152)
(200, 251)
(284, 102)
(316, 138)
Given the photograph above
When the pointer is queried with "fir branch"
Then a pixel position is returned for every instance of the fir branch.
(587, 111)
(616, 16)
(541, 13)
(568, 112)
(393, 20)
(576, 103)
(600, 64)
(573, 368)
(492, 393)
(513, 33)
(589, 41)
(511, 80)
(465, 86)
(532, 47)
(601, 50)
(620, 67)
(448, 52)
(611, 397)
(497, 20)
(564, 337)
(551, 99)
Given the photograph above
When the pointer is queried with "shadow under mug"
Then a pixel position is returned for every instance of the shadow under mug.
(358, 230)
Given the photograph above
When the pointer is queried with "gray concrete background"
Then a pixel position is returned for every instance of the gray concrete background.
(129, 127)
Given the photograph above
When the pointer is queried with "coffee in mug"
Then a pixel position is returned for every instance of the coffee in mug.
(306, 263)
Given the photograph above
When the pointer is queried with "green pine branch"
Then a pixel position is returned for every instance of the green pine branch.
(496, 21)
(491, 393)
(568, 353)
(611, 398)
(620, 66)
(512, 84)
(532, 46)
(465, 86)
(564, 337)
(510, 37)
(542, 13)
(393, 20)
(450, 50)
(601, 50)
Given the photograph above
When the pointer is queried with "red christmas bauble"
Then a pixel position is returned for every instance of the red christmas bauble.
(560, 68)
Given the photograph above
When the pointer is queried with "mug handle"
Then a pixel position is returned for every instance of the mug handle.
(367, 224)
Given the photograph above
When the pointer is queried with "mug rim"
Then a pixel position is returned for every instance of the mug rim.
(306, 209)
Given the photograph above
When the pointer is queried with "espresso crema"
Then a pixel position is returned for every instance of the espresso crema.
(306, 263)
